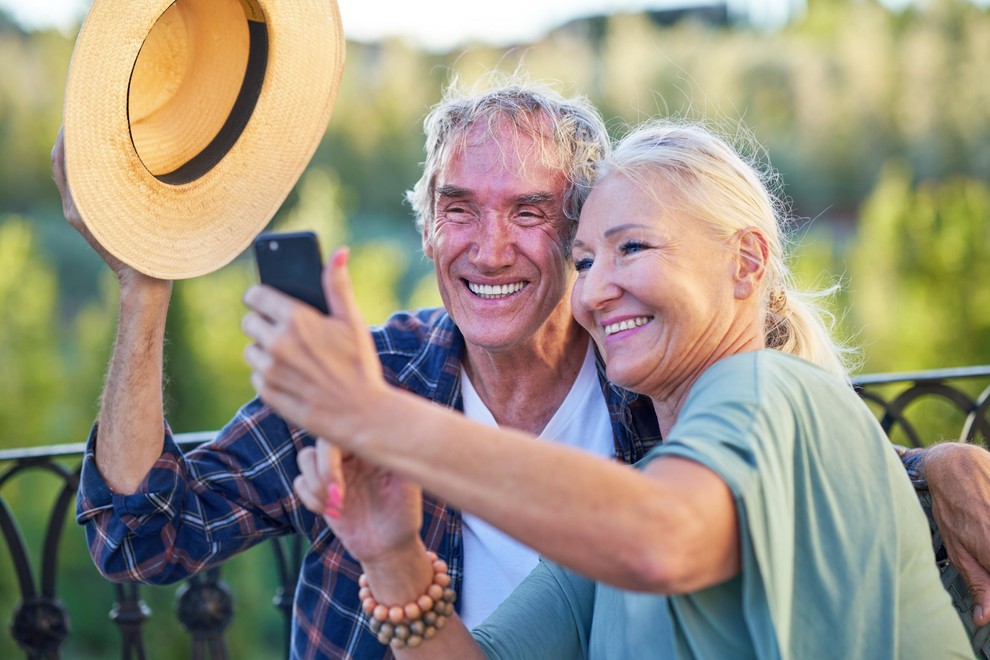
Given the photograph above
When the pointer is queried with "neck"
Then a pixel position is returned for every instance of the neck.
(668, 402)
(523, 386)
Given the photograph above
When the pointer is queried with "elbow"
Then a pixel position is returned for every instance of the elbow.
(657, 572)
(684, 555)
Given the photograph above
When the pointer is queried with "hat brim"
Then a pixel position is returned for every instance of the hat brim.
(182, 230)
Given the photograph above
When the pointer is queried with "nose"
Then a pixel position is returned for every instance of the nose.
(596, 288)
(495, 244)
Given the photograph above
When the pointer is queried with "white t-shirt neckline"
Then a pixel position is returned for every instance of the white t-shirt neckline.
(494, 563)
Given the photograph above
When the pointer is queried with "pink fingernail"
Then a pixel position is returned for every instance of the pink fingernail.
(335, 496)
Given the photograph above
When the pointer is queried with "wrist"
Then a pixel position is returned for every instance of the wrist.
(140, 293)
(946, 463)
(400, 575)
(412, 621)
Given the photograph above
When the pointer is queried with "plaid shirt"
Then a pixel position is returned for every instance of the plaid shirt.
(196, 510)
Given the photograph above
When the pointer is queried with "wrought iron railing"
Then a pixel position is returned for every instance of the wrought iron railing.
(40, 623)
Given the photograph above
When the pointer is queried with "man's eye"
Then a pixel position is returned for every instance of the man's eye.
(457, 212)
(528, 217)
(582, 264)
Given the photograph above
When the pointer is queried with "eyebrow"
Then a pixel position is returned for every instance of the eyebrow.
(450, 191)
(535, 198)
(611, 231)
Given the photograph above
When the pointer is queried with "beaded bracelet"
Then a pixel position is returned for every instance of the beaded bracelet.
(418, 620)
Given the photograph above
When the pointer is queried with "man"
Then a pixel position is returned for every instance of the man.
(502, 185)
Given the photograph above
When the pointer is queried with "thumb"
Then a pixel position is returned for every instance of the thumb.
(339, 291)
(329, 461)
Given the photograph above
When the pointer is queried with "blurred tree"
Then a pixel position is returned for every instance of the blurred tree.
(920, 273)
(33, 373)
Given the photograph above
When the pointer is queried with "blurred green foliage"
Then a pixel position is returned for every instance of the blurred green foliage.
(878, 122)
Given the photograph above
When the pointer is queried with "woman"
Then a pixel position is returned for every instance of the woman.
(774, 521)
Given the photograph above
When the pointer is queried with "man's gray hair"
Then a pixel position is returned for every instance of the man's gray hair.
(569, 132)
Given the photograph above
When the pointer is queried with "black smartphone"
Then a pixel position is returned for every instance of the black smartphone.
(291, 262)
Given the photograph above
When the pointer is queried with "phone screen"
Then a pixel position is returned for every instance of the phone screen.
(291, 263)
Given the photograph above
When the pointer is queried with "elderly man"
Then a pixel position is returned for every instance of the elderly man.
(505, 174)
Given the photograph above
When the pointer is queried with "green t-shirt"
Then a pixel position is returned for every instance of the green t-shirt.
(836, 552)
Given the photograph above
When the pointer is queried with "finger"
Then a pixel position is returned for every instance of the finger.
(330, 468)
(340, 291)
(270, 302)
(258, 328)
(307, 485)
(978, 579)
(58, 160)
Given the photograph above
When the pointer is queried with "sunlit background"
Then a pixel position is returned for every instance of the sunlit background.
(876, 114)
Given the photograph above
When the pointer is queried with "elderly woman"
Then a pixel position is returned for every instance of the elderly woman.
(774, 520)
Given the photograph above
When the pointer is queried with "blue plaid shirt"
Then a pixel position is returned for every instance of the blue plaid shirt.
(197, 509)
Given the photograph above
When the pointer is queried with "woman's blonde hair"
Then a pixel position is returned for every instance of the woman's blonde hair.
(716, 184)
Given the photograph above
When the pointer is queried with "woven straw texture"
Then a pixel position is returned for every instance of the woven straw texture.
(147, 91)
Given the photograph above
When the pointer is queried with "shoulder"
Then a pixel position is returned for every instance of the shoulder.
(407, 332)
(766, 377)
(421, 350)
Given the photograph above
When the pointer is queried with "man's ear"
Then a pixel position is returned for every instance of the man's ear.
(752, 255)
(427, 243)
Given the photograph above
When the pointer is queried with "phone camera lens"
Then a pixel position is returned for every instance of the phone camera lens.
(273, 246)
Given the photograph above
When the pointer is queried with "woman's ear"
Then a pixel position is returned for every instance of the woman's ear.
(752, 255)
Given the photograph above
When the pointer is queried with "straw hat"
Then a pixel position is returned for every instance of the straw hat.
(187, 123)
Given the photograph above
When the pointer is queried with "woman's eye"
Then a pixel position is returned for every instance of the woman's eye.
(582, 264)
(632, 247)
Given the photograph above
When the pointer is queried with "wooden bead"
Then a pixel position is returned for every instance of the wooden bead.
(412, 612)
(400, 626)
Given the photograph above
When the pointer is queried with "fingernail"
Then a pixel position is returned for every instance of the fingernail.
(334, 496)
(332, 512)
(978, 613)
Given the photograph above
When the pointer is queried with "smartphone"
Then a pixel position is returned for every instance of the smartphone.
(291, 262)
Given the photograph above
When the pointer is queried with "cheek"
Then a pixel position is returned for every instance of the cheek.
(581, 314)
(446, 245)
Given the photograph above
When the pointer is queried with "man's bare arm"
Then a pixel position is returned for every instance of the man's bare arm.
(130, 435)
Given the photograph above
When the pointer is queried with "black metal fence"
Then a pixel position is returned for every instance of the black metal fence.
(913, 408)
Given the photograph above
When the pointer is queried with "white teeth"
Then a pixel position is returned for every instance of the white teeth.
(628, 324)
(495, 291)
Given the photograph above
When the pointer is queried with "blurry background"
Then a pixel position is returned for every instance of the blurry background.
(876, 114)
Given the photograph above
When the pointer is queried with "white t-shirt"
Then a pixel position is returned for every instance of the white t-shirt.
(495, 563)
